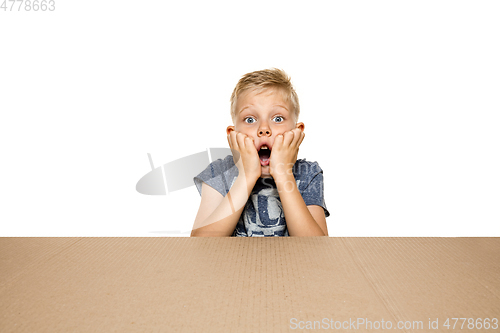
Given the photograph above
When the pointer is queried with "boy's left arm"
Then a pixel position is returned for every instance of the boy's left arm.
(301, 220)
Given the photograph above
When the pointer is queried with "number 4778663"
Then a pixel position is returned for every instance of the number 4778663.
(471, 323)
(28, 5)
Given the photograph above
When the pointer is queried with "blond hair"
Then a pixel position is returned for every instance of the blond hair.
(267, 79)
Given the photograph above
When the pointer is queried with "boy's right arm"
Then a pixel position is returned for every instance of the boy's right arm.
(218, 215)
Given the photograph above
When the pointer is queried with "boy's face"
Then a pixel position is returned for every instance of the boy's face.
(262, 116)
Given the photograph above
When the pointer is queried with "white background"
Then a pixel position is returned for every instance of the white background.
(400, 101)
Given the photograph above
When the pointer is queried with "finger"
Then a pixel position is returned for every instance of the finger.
(296, 137)
(278, 141)
(287, 138)
(233, 145)
(249, 144)
(240, 138)
(234, 142)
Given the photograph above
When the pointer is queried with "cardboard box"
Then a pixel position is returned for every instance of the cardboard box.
(277, 284)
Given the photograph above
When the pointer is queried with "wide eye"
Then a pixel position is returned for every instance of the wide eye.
(249, 120)
(279, 119)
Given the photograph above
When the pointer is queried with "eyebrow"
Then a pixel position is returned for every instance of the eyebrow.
(246, 107)
(280, 106)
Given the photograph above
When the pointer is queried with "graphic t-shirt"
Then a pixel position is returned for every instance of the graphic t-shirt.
(263, 214)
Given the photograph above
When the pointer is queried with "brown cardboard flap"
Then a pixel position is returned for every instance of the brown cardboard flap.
(276, 284)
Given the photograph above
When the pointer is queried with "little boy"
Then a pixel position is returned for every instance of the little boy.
(262, 189)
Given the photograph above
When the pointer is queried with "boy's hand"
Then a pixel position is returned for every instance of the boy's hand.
(245, 155)
(284, 153)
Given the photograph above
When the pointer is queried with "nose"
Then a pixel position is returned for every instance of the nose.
(264, 130)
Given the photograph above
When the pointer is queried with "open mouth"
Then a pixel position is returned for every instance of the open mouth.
(264, 155)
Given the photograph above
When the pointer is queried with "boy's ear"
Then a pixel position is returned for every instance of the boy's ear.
(229, 129)
(301, 126)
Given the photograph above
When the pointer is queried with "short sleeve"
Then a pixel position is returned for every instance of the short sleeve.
(312, 188)
(220, 174)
